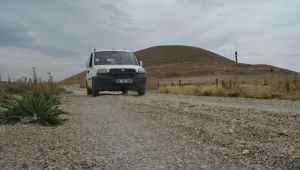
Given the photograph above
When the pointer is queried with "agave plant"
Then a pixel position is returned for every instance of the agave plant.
(37, 106)
(9, 115)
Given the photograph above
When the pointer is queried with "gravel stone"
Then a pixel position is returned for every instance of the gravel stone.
(245, 152)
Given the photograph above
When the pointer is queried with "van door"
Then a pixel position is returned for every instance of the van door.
(89, 74)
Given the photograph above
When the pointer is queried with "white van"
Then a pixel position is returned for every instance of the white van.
(114, 70)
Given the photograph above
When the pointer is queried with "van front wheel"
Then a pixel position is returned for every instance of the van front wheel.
(94, 89)
(88, 90)
(141, 92)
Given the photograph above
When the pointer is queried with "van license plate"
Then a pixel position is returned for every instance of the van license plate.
(124, 81)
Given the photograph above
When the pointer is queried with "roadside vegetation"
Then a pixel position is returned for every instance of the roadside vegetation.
(24, 84)
(30, 100)
(285, 87)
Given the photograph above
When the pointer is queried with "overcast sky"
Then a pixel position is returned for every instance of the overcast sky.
(57, 35)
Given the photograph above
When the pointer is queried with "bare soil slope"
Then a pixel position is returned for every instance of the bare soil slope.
(165, 55)
(76, 79)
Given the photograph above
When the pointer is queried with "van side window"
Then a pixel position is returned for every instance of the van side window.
(91, 60)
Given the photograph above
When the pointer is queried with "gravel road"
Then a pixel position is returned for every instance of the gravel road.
(159, 131)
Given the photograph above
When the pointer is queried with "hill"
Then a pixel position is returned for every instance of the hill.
(185, 61)
(165, 55)
(75, 79)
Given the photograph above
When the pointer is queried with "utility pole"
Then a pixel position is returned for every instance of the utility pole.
(236, 56)
(236, 71)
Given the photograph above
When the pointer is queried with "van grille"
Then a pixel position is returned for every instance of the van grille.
(122, 73)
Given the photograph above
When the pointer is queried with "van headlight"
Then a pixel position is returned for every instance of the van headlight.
(140, 70)
(102, 71)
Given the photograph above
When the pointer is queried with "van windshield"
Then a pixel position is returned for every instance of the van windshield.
(114, 58)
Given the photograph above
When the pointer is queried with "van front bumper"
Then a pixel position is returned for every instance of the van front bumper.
(107, 82)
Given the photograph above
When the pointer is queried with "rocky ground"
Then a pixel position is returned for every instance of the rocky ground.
(159, 131)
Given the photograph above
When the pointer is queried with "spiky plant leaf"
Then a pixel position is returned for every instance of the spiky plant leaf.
(37, 106)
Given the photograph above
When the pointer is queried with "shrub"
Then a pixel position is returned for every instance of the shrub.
(276, 96)
(166, 90)
(233, 94)
(206, 93)
(220, 92)
(37, 106)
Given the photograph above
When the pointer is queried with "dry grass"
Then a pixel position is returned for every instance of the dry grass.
(264, 87)
(25, 84)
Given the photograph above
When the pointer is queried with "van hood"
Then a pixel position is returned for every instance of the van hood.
(108, 67)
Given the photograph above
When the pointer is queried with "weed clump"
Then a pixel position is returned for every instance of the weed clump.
(233, 94)
(207, 93)
(36, 106)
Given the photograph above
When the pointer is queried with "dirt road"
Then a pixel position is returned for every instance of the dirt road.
(159, 131)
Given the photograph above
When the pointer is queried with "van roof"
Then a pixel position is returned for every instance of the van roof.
(113, 50)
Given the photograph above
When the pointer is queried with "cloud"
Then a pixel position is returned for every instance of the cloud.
(19, 36)
(66, 31)
(13, 35)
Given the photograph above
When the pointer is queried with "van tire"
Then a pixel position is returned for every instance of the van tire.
(94, 89)
(88, 90)
(141, 92)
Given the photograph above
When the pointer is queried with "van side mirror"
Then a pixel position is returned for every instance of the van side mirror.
(141, 63)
